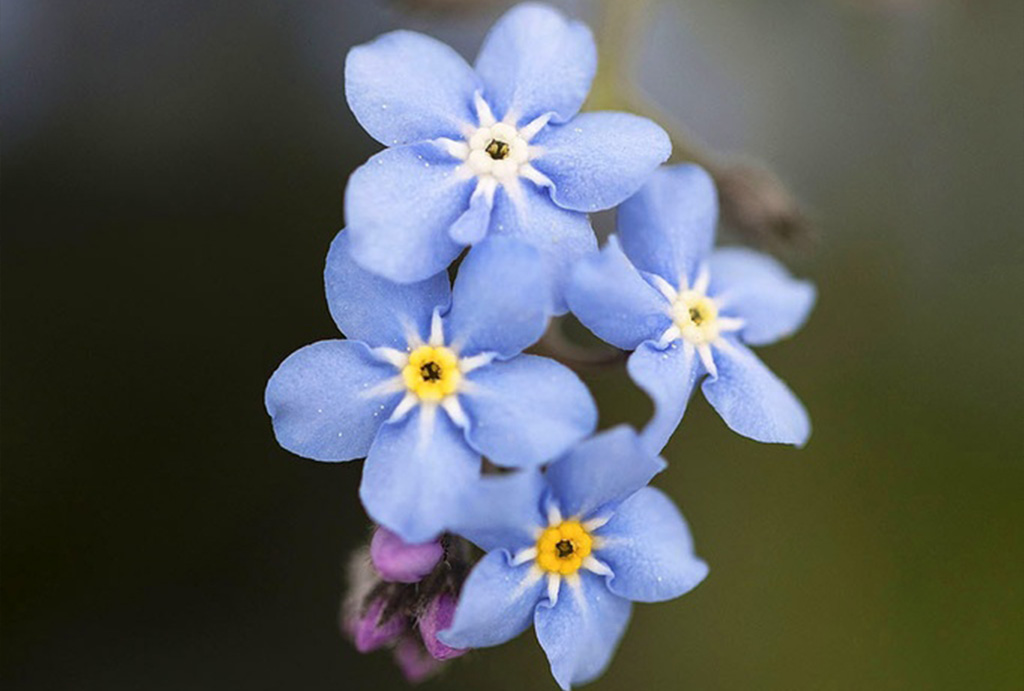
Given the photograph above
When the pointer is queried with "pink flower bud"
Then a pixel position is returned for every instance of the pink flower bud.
(399, 562)
(438, 617)
(371, 633)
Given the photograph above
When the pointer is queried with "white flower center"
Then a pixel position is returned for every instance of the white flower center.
(498, 153)
(696, 317)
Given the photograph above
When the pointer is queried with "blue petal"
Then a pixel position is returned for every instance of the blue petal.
(649, 549)
(601, 472)
(375, 310)
(610, 298)
(527, 411)
(535, 61)
(400, 206)
(415, 475)
(405, 87)
(668, 377)
(752, 400)
(496, 603)
(471, 227)
(501, 300)
(580, 633)
(759, 290)
(561, 236)
(669, 226)
(598, 160)
(502, 511)
(319, 403)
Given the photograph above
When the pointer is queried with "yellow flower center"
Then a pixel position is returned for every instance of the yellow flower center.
(696, 316)
(432, 373)
(562, 548)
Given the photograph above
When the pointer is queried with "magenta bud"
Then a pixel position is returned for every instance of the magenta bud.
(413, 660)
(438, 617)
(399, 562)
(372, 633)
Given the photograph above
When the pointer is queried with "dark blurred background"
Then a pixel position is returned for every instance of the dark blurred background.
(172, 176)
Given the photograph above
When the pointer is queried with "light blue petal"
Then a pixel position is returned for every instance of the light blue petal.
(598, 160)
(501, 300)
(752, 400)
(415, 475)
(527, 411)
(496, 603)
(561, 236)
(668, 377)
(580, 633)
(535, 61)
(471, 227)
(405, 87)
(601, 472)
(375, 310)
(669, 226)
(758, 289)
(608, 295)
(502, 511)
(648, 546)
(400, 206)
(320, 403)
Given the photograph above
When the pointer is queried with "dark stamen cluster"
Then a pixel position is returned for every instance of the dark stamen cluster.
(565, 548)
(498, 149)
(430, 371)
(695, 316)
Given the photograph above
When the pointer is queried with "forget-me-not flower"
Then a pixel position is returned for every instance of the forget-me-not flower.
(688, 310)
(430, 378)
(497, 148)
(569, 550)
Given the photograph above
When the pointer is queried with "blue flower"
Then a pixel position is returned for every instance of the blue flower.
(569, 550)
(493, 149)
(423, 389)
(689, 311)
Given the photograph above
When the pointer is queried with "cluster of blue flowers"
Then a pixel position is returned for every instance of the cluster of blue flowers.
(432, 377)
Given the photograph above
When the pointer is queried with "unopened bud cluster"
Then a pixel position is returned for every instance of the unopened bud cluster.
(401, 595)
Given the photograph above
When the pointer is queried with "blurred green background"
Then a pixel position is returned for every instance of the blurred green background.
(172, 176)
